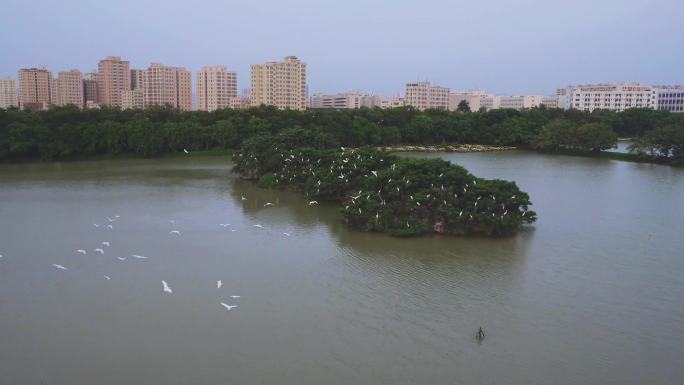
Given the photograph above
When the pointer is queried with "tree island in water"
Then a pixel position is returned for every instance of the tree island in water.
(383, 192)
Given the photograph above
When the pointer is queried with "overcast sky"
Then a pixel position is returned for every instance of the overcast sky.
(501, 46)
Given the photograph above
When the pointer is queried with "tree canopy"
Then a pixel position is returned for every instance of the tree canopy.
(383, 192)
(65, 132)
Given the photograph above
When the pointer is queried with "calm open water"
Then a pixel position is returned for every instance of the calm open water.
(593, 293)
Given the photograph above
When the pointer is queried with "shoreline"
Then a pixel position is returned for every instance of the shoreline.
(464, 148)
(198, 153)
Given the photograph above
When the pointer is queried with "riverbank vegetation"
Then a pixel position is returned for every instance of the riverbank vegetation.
(383, 192)
(67, 132)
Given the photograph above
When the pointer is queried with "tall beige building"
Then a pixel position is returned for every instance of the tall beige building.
(35, 88)
(8, 93)
(69, 89)
(167, 86)
(113, 77)
(215, 88)
(423, 96)
(280, 84)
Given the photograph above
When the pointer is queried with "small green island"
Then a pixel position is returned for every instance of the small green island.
(382, 192)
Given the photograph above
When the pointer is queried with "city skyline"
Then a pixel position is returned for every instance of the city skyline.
(464, 46)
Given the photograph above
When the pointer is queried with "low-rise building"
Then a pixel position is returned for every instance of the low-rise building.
(240, 102)
(668, 98)
(611, 96)
(519, 102)
(394, 102)
(473, 98)
(423, 96)
(344, 101)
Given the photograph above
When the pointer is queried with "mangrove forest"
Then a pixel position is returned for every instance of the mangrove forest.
(70, 133)
(382, 192)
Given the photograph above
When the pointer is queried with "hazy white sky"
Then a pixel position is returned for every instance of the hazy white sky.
(501, 46)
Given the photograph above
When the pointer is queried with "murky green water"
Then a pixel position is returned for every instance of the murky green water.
(592, 294)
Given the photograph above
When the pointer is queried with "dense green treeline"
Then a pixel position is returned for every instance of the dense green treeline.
(384, 192)
(68, 132)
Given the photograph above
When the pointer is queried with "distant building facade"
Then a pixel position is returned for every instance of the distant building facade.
(393, 102)
(8, 93)
(113, 78)
(136, 79)
(215, 87)
(613, 97)
(668, 98)
(69, 89)
(519, 102)
(167, 86)
(345, 101)
(549, 102)
(473, 98)
(423, 96)
(90, 89)
(133, 99)
(279, 84)
(240, 102)
(35, 88)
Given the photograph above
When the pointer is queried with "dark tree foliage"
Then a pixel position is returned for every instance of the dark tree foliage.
(383, 192)
(463, 106)
(667, 142)
(67, 132)
(563, 134)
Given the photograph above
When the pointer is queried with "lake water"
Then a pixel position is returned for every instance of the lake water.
(593, 293)
(622, 147)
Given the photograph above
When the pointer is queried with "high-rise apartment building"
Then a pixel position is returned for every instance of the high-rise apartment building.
(113, 77)
(167, 86)
(90, 89)
(8, 93)
(345, 101)
(613, 97)
(35, 88)
(215, 87)
(136, 79)
(69, 89)
(423, 96)
(280, 84)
